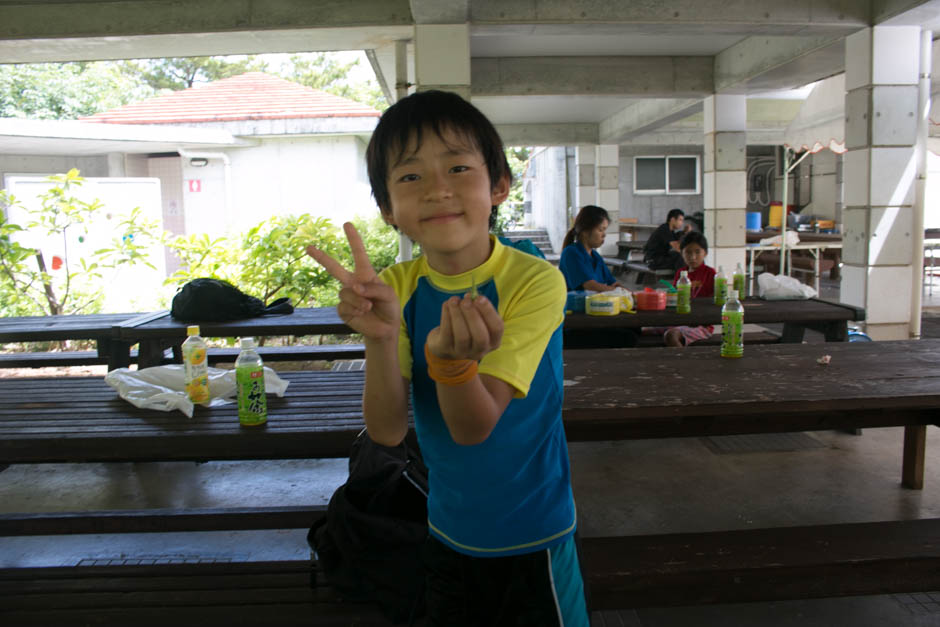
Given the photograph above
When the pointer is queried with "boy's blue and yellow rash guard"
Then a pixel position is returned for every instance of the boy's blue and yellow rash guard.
(511, 493)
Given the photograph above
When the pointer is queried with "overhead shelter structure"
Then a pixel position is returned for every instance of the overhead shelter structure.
(595, 75)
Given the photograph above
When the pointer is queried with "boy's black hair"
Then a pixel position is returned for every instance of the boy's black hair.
(431, 111)
(694, 237)
(674, 213)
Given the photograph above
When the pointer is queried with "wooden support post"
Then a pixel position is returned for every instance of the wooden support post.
(915, 444)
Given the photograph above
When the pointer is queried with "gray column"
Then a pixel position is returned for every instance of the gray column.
(882, 65)
(725, 181)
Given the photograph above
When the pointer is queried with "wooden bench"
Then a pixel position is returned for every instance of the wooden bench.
(747, 565)
(645, 275)
(744, 565)
(207, 594)
(325, 352)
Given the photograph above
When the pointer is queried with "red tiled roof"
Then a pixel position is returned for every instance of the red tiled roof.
(251, 96)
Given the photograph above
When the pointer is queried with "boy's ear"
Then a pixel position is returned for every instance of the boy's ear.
(388, 218)
(500, 190)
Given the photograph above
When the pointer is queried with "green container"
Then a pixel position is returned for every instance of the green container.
(732, 338)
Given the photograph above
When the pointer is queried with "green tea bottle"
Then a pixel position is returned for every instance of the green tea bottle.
(249, 381)
(738, 282)
(732, 324)
(684, 293)
(721, 287)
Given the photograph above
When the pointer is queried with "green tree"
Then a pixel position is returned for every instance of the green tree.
(64, 91)
(269, 260)
(176, 73)
(323, 71)
(27, 284)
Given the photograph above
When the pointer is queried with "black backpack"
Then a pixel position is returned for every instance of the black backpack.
(215, 300)
(368, 543)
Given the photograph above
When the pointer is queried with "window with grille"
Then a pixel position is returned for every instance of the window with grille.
(677, 174)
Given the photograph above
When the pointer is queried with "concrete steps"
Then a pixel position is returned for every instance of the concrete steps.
(539, 237)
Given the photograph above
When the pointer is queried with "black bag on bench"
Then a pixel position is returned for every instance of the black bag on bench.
(215, 300)
(368, 544)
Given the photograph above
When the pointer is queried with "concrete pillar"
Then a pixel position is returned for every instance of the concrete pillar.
(585, 159)
(442, 57)
(607, 195)
(725, 183)
(881, 75)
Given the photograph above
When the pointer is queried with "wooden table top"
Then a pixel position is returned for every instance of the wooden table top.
(705, 311)
(611, 395)
(304, 321)
(67, 327)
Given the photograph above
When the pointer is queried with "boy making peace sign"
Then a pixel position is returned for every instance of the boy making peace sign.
(474, 328)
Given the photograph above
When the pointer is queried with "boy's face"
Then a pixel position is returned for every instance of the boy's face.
(677, 223)
(441, 197)
(694, 255)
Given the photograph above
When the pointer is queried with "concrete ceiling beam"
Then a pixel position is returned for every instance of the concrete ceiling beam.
(651, 77)
(904, 12)
(101, 18)
(644, 117)
(777, 62)
(440, 11)
(770, 13)
(547, 134)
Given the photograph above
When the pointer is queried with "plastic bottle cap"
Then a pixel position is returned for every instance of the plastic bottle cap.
(192, 329)
(732, 294)
(684, 273)
(248, 342)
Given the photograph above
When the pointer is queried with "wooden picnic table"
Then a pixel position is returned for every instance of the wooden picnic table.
(162, 332)
(629, 394)
(828, 317)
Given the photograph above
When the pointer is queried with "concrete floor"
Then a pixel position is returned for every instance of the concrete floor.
(634, 487)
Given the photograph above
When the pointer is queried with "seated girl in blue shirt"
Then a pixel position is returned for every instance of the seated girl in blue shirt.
(583, 268)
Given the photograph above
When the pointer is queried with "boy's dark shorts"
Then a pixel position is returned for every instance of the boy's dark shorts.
(464, 591)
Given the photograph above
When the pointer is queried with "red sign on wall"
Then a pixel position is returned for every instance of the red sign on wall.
(195, 185)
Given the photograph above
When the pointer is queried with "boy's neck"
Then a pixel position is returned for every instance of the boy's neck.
(461, 261)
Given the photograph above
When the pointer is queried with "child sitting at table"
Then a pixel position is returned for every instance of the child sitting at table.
(694, 248)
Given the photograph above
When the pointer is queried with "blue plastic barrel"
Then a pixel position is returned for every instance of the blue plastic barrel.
(753, 221)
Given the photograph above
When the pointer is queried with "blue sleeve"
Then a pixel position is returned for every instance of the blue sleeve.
(525, 245)
(576, 268)
(606, 277)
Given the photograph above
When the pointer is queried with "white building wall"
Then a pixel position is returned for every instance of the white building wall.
(323, 176)
(549, 196)
(652, 208)
(43, 165)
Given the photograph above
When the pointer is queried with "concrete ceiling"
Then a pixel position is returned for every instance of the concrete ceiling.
(545, 71)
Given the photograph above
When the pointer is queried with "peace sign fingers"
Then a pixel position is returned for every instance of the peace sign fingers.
(362, 267)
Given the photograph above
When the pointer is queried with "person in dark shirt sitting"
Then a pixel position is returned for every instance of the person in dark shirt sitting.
(662, 248)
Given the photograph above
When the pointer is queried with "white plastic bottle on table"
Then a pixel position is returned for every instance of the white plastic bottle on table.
(249, 381)
(196, 366)
(732, 327)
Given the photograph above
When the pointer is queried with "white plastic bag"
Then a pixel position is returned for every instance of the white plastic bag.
(626, 298)
(792, 239)
(782, 287)
(162, 387)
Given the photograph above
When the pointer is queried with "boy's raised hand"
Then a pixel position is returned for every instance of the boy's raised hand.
(470, 328)
(366, 303)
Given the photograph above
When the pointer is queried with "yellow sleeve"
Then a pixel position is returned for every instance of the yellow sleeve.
(395, 277)
(531, 303)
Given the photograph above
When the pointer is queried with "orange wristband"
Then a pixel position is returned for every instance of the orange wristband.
(449, 371)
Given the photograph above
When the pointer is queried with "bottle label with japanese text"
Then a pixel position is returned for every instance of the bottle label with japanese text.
(252, 402)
